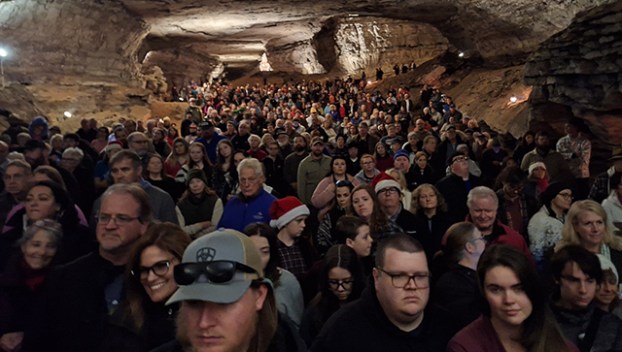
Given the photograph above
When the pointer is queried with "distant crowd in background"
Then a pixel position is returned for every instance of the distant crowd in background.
(387, 221)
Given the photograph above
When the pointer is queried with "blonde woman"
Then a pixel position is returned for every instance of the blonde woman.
(586, 225)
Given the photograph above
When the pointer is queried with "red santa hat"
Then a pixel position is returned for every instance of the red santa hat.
(383, 181)
(284, 210)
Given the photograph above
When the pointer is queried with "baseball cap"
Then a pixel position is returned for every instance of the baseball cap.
(316, 140)
(206, 124)
(218, 267)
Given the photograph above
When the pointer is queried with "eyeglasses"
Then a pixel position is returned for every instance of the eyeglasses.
(248, 181)
(160, 269)
(335, 284)
(389, 191)
(218, 272)
(566, 195)
(460, 158)
(119, 220)
(421, 280)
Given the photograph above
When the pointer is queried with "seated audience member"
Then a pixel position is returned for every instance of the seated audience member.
(287, 291)
(47, 200)
(365, 205)
(288, 217)
(327, 233)
(368, 169)
(406, 194)
(22, 282)
(423, 170)
(81, 298)
(199, 209)
(355, 233)
(389, 316)
(577, 274)
(225, 175)
(431, 216)
(515, 313)
(389, 193)
(102, 167)
(606, 297)
(483, 204)
(601, 187)
(150, 283)
(537, 182)
(177, 158)
(456, 296)
(613, 203)
(555, 164)
(324, 195)
(456, 186)
(16, 183)
(515, 209)
(545, 227)
(586, 226)
(227, 286)
(153, 172)
(197, 159)
(253, 203)
(341, 282)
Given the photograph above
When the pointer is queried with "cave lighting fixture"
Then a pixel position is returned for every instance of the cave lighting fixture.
(461, 54)
(513, 99)
(3, 54)
(67, 114)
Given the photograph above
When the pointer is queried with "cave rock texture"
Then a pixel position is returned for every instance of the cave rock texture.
(113, 58)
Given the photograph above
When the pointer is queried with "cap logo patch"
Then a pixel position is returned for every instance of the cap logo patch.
(206, 254)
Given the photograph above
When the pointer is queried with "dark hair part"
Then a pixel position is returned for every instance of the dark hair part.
(165, 236)
(400, 242)
(540, 330)
(264, 230)
(587, 261)
(124, 154)
(347, 227)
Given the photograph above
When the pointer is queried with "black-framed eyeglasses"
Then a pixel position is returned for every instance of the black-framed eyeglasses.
(566, 195)
(389, 191)
(120, 220)
(218, 272)
(421, 280)
(335, 284)
(460, 158)
(160, 269)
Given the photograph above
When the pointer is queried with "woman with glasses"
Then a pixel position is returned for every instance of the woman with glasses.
(323, 197)
(149, 284)
(586, 225)
(456, 294)
(545, 227)
(326, 235)
(177, 158)
(516, 316)
(341, 281)
(287, 290)
(22, 282)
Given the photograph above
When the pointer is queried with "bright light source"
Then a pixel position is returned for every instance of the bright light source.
(461, 54)
(513, 99)
(181, 99)
(67, 114)
(3, 52)
(369, 81)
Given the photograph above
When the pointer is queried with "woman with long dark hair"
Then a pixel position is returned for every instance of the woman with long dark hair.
(516, 316)
(364, 204)
(199, 209)
(341, 282)
(323, 197)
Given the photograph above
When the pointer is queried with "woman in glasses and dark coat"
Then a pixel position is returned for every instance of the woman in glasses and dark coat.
(149, 281)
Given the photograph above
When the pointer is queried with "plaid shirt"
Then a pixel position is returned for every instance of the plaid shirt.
(600, 187)
(291, 258)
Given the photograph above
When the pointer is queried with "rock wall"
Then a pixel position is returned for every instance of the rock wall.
(581, 68)
(68, 41)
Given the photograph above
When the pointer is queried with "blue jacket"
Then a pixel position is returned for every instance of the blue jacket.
(240, 212)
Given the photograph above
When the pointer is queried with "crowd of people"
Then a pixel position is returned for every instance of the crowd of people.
(307, 216)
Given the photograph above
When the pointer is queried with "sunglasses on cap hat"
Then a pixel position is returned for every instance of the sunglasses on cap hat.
(218, 272)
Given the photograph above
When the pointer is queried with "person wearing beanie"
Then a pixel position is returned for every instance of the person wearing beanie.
(288, 216)
(545, 227)
(389, 194)
(199, 209)
(401, 162)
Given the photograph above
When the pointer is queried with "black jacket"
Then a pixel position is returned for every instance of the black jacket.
(455, 191)
(363, 326)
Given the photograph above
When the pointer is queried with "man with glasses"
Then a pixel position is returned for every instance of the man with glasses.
(82, 297)
(139, 143)
(389, 193)
(368, 169)
(253, 202)
(483, 204)
(456, 186)
(577, 274)
(226, 302)
(389, 316)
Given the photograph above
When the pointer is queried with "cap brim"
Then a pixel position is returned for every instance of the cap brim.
(227, 293)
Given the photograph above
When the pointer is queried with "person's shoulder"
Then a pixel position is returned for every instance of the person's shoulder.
(172, 346)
